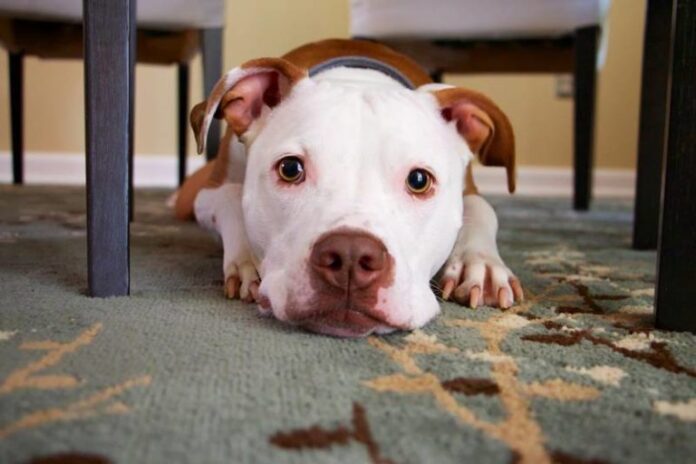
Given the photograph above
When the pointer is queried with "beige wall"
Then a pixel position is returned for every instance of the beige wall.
(543, 123)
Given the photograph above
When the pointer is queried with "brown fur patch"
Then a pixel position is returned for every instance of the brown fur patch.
(287, 73)
(287, 68)
(186, 196)
(314, 53)
(196, 118)
(212, 175)
(499, 148)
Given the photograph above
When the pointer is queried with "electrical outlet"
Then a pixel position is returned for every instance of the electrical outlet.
(564, 86)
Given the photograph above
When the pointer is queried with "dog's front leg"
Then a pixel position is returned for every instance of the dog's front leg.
(475, 273)
(220, 210)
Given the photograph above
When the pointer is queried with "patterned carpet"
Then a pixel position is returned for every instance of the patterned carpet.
(175, 373)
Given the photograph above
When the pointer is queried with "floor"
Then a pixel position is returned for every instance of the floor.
(176, 373)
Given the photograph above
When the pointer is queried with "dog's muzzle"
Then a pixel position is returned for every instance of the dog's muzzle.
(347, 270)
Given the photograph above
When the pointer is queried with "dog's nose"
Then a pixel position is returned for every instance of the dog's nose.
(352, 260)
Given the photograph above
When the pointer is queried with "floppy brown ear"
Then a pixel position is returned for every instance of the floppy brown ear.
(196, 119)
(484, 126)
(240, 95)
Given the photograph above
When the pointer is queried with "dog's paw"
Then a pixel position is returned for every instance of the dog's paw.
(480, 278)
(242, 282)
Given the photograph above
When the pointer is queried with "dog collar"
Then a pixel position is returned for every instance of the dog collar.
(361, 62)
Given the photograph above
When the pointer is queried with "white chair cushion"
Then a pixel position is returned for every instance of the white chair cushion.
(473, 19)
(154, 14)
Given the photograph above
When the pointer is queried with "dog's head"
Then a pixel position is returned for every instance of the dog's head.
(353, 193)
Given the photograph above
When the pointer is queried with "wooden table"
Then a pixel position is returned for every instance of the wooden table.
(668, 126)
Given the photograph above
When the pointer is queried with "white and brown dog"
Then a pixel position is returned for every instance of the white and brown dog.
(337, 190)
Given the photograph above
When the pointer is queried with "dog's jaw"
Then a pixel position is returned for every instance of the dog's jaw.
(344, 323)
(407, 304)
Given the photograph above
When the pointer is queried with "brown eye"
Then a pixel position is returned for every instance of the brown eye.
(419, 181)
(291, 170)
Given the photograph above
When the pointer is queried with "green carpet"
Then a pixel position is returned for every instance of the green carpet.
(176, 373)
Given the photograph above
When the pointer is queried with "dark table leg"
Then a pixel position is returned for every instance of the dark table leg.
(182, 115)
(17, 115)
(108, 26)
(212, 72)
(653, 114)
(584, 111)
(676, 267)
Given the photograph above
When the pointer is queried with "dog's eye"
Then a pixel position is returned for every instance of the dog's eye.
(291, 169)
(419, 181)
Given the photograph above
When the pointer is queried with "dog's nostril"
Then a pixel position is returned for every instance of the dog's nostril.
(367, 263)
(334, 262)
(371, 262)
(331, 260)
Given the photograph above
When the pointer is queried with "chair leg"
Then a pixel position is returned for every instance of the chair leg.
(584, 111)
(653, 111)
(436, 75)
(211, 40)
(131, 120)
(676, 273)
(109, 28)
(17, 115)
(183, 84)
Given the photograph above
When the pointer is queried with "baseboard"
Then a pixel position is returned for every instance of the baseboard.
(556, 182)
(160, 171)
(69, 169)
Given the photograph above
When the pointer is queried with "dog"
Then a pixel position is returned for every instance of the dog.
(343, 185)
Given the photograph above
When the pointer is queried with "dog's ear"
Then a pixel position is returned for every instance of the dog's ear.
(484, 126)
(240, 95)
(196, 119)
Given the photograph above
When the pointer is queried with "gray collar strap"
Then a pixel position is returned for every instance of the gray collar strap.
(362, 62)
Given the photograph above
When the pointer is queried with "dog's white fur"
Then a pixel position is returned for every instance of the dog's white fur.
(359, 134)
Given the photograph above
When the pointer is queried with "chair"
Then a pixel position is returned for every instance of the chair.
(108, 35)
(168, 32)
(499, 36)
